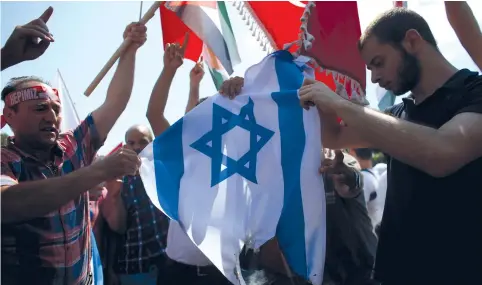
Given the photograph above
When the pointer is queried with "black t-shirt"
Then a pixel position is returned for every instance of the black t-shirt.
(431, 230)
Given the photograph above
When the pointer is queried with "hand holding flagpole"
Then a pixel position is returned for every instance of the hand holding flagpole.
(147, 16)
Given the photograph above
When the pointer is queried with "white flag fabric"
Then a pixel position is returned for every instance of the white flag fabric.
(70, 118)
(242, 171)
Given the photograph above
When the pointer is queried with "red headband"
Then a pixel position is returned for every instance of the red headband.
(31, 93)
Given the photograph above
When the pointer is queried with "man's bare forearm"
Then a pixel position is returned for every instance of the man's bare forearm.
(115, 213)
(120, 88)
(336, 136)
(118, 94)
(158, 101)
(410, 143)
(193, 97)
(330, 130)
(466, 28)
(462, 19)
(28, 200)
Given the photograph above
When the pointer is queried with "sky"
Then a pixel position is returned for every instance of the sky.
(87, 33)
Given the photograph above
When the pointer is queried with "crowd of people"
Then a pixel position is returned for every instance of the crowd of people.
(412, 220)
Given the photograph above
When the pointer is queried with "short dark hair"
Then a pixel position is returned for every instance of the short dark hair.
(364, 153)
(391, 27)
(13, 83)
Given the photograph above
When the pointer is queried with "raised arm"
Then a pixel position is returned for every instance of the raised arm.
(195, 77)
(173, 59)
(120, 88)
(466, 28)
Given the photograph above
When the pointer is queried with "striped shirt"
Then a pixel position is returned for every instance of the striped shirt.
(55, 248)
(145, 239)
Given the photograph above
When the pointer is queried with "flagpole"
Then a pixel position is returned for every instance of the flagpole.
(140, 12)
(112, 60)
(64, 86)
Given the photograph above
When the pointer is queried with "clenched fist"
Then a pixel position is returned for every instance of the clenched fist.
(136, 33)
(346, 180)
(232, 87)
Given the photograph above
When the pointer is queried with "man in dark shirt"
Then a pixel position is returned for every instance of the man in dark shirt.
(350, 240)
(430, 231)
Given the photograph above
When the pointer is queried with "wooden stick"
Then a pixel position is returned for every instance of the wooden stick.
(147, 16)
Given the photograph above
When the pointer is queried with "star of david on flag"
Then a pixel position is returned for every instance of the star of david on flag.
(240, 172)
(211, 143)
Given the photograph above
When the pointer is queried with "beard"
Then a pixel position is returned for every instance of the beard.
(408, 73)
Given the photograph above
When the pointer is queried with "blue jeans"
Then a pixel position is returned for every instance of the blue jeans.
(140, 278)
(147, 278)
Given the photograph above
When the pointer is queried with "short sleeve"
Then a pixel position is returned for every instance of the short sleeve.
(395, 110)
(84, 141)
(9, 171)
(471, 101)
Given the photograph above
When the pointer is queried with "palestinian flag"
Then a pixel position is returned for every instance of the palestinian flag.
(209, 21)
(215, 67)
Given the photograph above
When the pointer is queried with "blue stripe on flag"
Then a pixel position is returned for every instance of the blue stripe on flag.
(169, 168)
(291, 226)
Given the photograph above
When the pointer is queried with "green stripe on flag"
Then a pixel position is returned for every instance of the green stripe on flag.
(213, 27)
(217, 77)
(224, 15)
(228, 33)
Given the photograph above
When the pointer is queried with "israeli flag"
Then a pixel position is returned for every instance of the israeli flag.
(240, 172)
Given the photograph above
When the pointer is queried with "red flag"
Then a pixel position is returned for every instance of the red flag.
(279, 20)
(174, 30)
(3, 122)
(336, 28)
(119, 146)
(400, 4)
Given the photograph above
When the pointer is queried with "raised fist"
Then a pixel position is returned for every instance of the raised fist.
(136, 33)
